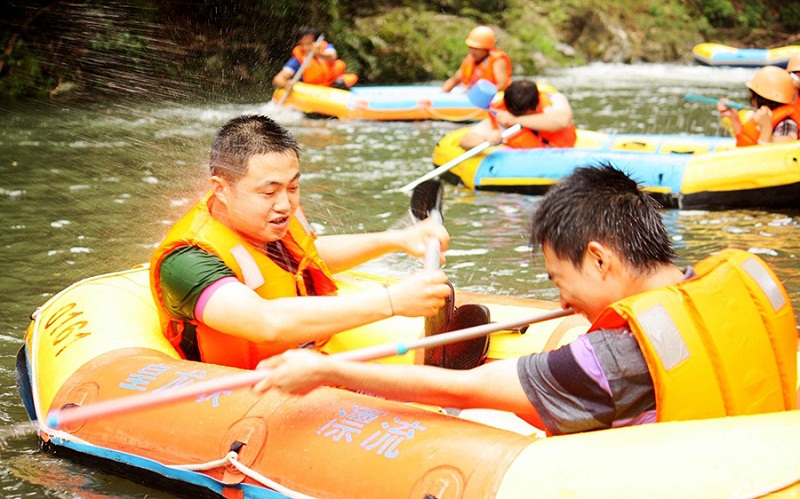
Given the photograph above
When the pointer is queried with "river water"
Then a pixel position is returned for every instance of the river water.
(91, 189)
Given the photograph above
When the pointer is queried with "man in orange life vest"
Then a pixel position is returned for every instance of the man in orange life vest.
(546, 119)
(242, 276)
(776, 118)
(665, 343)
(325, 68)
(484, 61)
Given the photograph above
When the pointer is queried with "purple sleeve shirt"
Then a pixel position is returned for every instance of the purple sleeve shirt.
(598, 381)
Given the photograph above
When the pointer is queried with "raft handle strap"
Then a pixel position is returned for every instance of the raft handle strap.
(233, 459)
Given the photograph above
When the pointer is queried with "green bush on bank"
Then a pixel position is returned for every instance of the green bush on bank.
(22, 73)
(790, 15)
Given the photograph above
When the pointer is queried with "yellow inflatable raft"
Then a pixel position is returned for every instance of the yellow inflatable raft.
(382, 103)
(716, 54)
(99, 340)
(681, 171)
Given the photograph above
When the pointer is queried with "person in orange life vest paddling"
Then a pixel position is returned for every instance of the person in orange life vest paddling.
(484, 61)
(242, 276)
(324, 69)
(546, 119)
(775, 119)
(650, 355)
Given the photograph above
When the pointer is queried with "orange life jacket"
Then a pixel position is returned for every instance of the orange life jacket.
(532, 139)
(320, 71)
(749, 134)
(251, 266)
(471, 72)
(721, 344)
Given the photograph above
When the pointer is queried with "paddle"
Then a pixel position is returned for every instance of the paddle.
(299, 72)
(426, 201)
(509, 132)
(711, 100)
(57, 418)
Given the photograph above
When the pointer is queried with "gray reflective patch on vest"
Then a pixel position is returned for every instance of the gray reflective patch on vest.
(664, 336)
(765, 282)
(253, 278)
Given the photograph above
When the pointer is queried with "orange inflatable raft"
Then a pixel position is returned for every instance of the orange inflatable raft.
(99, 340)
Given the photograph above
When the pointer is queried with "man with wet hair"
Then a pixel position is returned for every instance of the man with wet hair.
(242, 276)
(544, 114)
(665, 343)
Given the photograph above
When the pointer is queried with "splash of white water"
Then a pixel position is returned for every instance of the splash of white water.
(18, 430)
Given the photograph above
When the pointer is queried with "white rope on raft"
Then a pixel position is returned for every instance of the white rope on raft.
(233, 459)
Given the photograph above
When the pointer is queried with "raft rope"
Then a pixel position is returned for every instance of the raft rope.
(232, 458)
(467, 117)
(44, 429)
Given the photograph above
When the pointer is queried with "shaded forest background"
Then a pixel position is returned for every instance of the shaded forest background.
(193, 49)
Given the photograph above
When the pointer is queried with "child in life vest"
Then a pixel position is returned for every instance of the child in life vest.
(776, 117)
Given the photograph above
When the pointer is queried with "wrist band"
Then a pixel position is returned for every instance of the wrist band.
(389, 296)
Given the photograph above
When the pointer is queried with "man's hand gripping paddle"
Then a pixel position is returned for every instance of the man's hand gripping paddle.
(426, 201)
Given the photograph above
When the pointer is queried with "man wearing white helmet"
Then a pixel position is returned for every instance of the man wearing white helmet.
(484, 61)
(776, 117)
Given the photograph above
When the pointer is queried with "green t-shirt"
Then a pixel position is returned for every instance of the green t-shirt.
(185, 273)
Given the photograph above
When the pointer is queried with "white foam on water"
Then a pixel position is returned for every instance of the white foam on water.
(18, 430)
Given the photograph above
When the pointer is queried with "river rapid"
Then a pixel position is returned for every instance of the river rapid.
(86, 190)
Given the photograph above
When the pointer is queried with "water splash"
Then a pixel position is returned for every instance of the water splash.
(18, 430)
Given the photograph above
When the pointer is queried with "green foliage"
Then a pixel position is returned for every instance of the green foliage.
(471, 8)
(22, 74)
(720, 13)
(790, 15)
(666, 14)
(754, 15)
(406, 45)
(174, 47)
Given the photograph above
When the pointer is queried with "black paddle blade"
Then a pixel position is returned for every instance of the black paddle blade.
(464, 354)
(425, 198)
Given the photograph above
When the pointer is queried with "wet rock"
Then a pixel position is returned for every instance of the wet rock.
(599, 37)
